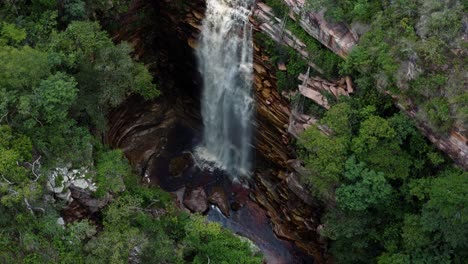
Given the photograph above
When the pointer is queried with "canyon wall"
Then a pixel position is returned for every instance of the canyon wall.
(146, 131)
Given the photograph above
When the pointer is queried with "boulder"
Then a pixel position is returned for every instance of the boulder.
(85, 198)
(196, 200)
(219, 198)
(179, 164)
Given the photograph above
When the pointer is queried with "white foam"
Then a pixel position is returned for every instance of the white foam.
(225, 55)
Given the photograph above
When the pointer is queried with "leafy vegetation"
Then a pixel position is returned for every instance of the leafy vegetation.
(392, 192)
(325, 59)
(392, 197)
(415, 50)
(60, 75)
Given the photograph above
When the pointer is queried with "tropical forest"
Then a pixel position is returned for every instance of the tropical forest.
(234, 131)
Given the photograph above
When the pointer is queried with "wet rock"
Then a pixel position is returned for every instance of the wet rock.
(219, 198)
(179, 164)
(196, 200)
(236, 206)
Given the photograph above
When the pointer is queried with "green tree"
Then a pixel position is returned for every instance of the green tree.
(111, 168)
(378, 146)
(208, 242)
(324, 157)
(446, 210)
(55, 96)
(11, 34)
(106, 74)
(367, 188)
(17, 184)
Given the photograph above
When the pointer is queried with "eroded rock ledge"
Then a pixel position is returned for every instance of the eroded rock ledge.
(340, 39)
(293, 212)
(147, 131)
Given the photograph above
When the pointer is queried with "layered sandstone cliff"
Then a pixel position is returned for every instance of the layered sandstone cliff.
(148, 131)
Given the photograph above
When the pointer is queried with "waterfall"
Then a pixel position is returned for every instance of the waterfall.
(225, 59)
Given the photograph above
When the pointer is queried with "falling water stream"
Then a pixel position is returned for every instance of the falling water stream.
(224, 153)
(225, 61)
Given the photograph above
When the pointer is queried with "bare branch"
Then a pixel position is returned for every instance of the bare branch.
(13, 191)
(35, 118)
(32, 208)
(7, 181)
(33, 168)
(28, 206)
(3, 116)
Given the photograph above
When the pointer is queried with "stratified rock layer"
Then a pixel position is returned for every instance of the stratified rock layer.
(147, 131)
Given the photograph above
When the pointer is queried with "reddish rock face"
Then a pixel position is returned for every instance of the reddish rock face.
(196, 200)
(145, 131)
(219, 198)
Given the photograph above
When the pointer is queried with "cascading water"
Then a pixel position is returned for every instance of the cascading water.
(225, 60)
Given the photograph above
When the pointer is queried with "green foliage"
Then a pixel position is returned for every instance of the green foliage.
(438, 112)
(387, 185)
(111, 167)
(446, 211)
(324, 157)
(367, 188)
(348, 11)
(10, 34)
(55, 95)
(409, 51)
(279, 7)
(74, 10)
(119, 237)
(16, 182)
(106, 74)
(172, 237)
(320, 55)
(58, 80)
(209, 242)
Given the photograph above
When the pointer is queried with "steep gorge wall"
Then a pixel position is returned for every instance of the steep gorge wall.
(294, 213)
(160, 35)
(146, 130)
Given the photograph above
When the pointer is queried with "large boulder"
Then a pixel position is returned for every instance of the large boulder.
(179, 164)
(196, 200)
(219, 198)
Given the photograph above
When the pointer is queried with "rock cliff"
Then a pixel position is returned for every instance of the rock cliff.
(147, 131)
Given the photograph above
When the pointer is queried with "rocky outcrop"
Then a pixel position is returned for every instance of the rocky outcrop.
(148, 132)
(272, 113)
(314, 88)
(266, 22)
(293, 212)
(338, 37)
(83, 204)
(196, 200)
(454, 143)
(145, 130)
(219, 198)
